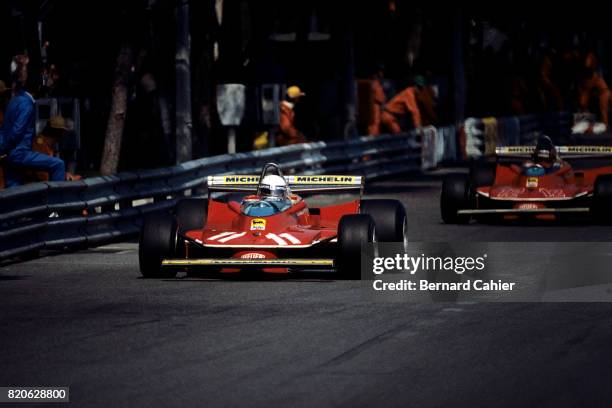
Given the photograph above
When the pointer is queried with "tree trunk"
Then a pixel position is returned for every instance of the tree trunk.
(183, 85)
(116, 118)
(459, 84)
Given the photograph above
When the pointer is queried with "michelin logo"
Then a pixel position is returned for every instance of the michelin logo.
(324, 179)
(241, 179)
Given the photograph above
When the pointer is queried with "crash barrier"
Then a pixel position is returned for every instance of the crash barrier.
(480, 136)
(99, 210)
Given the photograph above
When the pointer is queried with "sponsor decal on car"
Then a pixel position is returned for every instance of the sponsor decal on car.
(552, 192)
(258, 224)
(240, 180)
(509, 192)
(587, 149)
(514, 150)
(252, 255)
(323, 180)
(532, 182)
(528, 206)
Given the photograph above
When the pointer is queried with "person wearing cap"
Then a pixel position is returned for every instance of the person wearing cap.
(288, 133)
(17, 133)
(47, 142)
(426, 101)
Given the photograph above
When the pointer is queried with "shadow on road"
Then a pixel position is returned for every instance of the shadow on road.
(13, 277)
(252, 277)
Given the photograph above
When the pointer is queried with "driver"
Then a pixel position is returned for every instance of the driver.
(545, 152)
(545, 156)
(273, 187)
(273, 196)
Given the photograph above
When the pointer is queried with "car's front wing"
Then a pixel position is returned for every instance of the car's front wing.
(524, 211)
(256, 263)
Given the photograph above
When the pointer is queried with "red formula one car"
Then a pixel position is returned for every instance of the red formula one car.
(272, 229)
(541, 182)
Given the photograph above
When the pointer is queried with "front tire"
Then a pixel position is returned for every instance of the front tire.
(353, 231)
(601, 207)
(482, 173)
(191, 214)
(157, 241)
(389, 217)
(455, 196)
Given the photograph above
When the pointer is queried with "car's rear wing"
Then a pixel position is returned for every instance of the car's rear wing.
(296, 183)
(573, 152)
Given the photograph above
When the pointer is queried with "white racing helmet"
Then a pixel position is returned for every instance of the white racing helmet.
(273, 186)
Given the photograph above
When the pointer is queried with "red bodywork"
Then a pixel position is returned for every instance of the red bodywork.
(244, 237)
(513, 189)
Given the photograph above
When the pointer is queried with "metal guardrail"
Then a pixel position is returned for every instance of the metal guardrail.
(99, 210)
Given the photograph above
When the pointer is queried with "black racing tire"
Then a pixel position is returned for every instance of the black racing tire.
(389, 217)
(353, 231)
(157, 241)
(191, 214)
(482, 174)
(455, 196)
(601, 206)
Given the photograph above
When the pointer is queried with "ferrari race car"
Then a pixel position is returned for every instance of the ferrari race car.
(540, 182)
(271, 229)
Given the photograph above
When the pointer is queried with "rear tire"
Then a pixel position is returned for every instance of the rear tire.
(157, 241)
(191, 214)
(601, 207)
(389, 217)
(353, 231)
(455, 196)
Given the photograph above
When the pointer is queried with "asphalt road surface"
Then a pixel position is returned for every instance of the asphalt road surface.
(88, 321)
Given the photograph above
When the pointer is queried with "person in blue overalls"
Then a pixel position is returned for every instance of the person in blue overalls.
(18, 130)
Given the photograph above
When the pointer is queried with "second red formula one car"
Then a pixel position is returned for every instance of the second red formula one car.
(541, 181)
(271, 229)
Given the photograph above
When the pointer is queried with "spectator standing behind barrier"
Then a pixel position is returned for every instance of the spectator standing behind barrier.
(593, 85)
(426, 97)
(548, 91)
(17, 132)
(288, 133)
(377, 102)
(407, 102)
